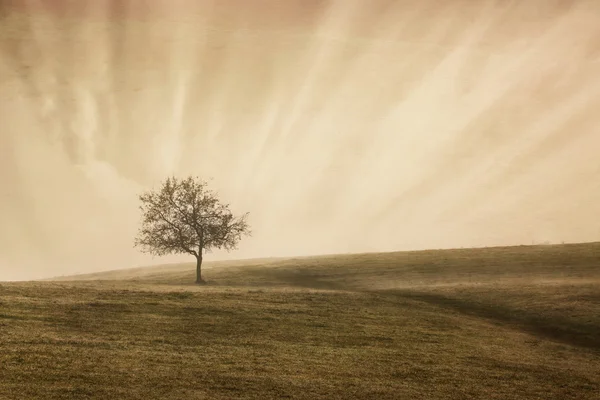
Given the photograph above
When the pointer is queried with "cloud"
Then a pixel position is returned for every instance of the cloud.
(338, 127)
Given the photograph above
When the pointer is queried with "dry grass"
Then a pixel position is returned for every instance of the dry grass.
(502, 323)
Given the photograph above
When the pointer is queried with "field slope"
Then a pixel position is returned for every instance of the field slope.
(495, 323)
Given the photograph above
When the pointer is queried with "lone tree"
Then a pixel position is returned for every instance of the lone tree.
(184, 216)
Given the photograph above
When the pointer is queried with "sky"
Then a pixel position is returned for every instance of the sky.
(340, 125)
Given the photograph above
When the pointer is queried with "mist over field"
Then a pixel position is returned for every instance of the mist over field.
(341, 126)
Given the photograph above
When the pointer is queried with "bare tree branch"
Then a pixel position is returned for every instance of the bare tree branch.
(184, 216)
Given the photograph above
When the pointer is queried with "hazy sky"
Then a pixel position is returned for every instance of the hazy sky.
(342, 126)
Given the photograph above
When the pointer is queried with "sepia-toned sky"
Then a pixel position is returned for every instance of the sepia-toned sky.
(340, 125)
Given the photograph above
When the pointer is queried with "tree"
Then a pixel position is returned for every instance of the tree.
(184, 216)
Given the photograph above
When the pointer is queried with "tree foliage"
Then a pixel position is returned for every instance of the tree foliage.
(184, 216)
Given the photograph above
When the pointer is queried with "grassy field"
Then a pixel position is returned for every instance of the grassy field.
(495, 323)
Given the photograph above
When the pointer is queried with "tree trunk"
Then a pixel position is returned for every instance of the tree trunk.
(199, 279)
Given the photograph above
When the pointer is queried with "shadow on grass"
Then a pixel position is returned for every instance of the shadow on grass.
(555, 328)
(283, 277)
(538, 322)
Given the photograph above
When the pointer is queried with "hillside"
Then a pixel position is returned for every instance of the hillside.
(376, 271)
(494, 323)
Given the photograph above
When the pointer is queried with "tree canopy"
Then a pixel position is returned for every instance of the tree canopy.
(185, 216)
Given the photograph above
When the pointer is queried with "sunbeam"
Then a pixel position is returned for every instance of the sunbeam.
(341, 126)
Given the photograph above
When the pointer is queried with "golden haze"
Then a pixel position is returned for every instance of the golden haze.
(342, 126)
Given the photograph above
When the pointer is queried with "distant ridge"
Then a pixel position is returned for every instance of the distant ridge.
(366, 271)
